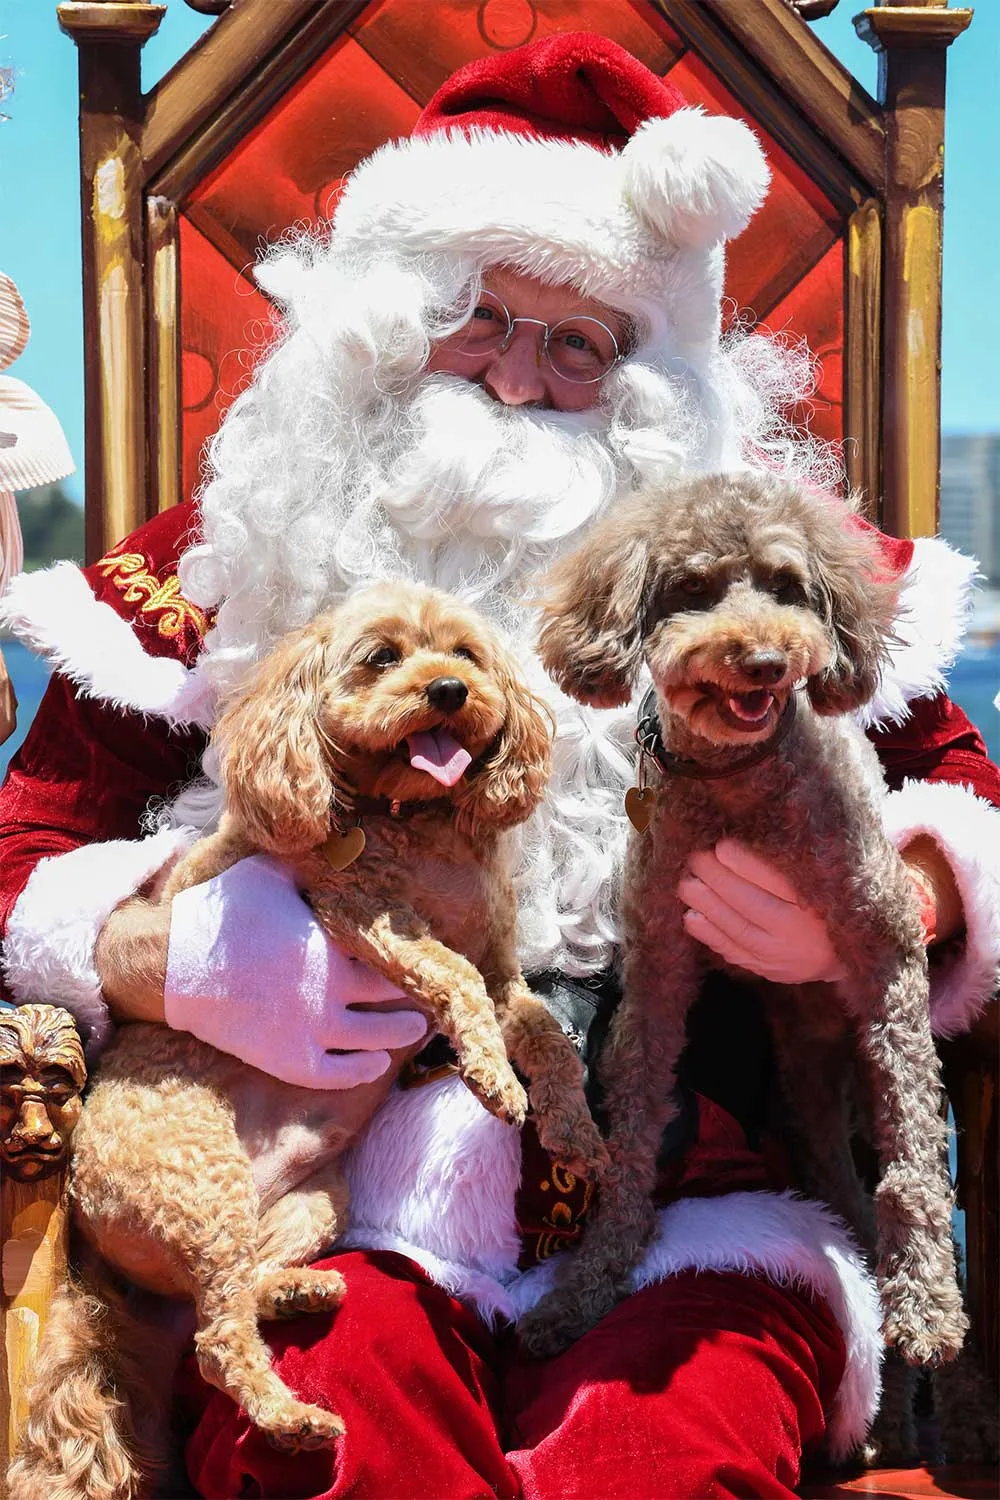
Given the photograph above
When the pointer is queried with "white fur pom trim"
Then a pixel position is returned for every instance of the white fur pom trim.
(967, 831)
(48, 952)
(695, 178)
(789, 1241)
(435, 1177)
(935, 605)
(54, 612)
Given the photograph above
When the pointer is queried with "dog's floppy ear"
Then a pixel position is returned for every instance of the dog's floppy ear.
(509, 785)
(858, 602)
(273, 759)
(593, 613)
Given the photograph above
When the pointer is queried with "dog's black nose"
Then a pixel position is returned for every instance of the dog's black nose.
(764, 667)
(447, 693)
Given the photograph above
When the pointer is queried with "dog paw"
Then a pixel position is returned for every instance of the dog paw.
(292, 1290)
(300, 1428)
(500, 1093)
(576, 1145)
(543, 1337)
(925, 1334)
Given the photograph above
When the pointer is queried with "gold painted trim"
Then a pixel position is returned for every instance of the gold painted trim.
(164, 392)
(863, 356)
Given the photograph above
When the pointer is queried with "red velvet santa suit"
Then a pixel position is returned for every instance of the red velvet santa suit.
(752, 1331)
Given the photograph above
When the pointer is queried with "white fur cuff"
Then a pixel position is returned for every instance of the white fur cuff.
(49, 945)
(967, 830)
(790, 1242)
(55, 613)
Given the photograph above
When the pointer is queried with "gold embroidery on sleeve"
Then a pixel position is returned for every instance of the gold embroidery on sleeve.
(160, 600)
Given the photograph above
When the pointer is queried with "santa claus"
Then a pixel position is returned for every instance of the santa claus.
(513, 318)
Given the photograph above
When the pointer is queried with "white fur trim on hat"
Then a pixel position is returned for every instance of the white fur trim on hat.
(695, 178)
(48, 953)
(787, 1240)
(55, 613)
(609, 224)
(967, 831)
(935, 605)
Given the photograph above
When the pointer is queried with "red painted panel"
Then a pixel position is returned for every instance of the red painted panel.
(226, 323)
(815, 310)
(287, 169)
(421, 45)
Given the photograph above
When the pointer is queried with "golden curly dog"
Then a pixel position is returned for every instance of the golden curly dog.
(323, 744)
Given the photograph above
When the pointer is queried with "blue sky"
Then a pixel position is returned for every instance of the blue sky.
(39, 200)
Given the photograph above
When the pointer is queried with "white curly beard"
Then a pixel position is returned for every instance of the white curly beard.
(343, 463)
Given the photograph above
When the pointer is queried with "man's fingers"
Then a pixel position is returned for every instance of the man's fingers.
(371, 1030)
(702, 928)
(345, 1070)
(737, 927)
(761, 907)
(736, 857)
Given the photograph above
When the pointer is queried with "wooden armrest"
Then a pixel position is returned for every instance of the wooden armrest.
(42, 1074)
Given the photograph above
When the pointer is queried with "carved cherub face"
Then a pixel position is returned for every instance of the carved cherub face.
(42, 1073)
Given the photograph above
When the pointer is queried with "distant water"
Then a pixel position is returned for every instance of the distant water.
(975, 682)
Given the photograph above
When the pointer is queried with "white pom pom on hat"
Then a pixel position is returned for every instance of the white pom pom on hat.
(695, 178)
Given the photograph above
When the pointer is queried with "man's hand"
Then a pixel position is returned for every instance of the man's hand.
(750, 914)
(242, 963)
(745, 910)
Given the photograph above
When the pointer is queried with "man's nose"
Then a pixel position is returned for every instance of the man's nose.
(33, 1124)
(516, 375)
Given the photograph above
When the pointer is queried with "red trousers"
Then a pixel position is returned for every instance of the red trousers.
(703, 1386)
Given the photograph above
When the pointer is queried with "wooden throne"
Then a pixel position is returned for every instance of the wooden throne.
(254, 130)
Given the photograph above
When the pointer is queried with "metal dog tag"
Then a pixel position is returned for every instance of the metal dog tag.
(342, 849)
(639, 804)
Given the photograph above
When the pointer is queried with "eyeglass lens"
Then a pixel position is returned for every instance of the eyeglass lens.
(579, 348)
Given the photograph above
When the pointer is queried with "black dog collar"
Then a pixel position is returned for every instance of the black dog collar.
(649, 738)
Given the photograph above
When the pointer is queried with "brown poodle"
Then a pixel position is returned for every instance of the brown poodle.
(383, 751)
(734, 590)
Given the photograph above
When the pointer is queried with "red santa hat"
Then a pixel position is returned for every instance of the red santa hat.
(569, 160)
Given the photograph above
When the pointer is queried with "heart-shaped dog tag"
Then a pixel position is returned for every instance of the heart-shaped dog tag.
(639, 803)
(342, 849)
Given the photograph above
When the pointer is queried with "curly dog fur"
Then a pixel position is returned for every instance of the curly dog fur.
(167, 1183)
(734, 589)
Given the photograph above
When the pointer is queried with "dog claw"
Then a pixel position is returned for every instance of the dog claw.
(315, 1428)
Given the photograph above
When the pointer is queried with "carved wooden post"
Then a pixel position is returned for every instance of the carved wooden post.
(912, 41)
(42, 1074)
(109, 35)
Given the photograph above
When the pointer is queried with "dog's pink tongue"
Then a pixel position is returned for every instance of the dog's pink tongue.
(439, 754)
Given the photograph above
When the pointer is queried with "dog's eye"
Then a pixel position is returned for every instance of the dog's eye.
(786, 587)
(464, 653)
(694, 586)
(384, 656)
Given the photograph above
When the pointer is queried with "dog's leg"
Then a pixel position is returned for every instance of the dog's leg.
(639, 1071)
(293, 1233)
(815, 1071)
(536, 1044)
(233, 1356)
(397, 942)
(921, 1299)
(208, 857)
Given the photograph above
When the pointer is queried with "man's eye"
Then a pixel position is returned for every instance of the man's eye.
(384, 656)
(485, 314)
(464, 652)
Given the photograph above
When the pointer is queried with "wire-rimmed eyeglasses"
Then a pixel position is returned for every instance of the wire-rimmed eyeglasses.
(580, 348)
